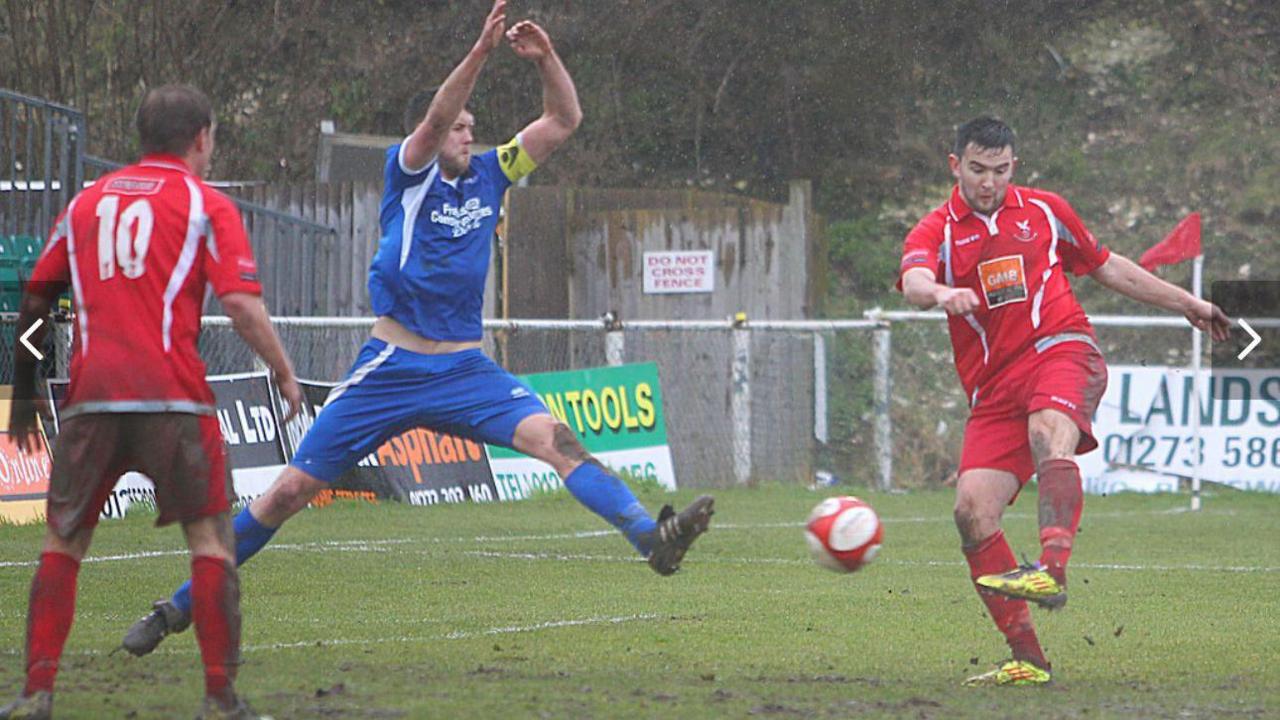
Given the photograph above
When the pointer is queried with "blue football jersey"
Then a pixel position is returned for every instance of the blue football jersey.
(429, 271)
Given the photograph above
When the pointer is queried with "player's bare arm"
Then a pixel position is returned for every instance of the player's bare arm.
(561, 113)
(922, 290)
(250, 320)
(1126, 277)
(450, 100)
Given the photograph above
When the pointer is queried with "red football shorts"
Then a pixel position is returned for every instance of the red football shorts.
(182, 454)
(1069, 377)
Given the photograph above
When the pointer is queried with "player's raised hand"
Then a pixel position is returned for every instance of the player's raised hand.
(495, 26)
(529, 41)
(291, 393)
(957, 301)
(1209, 318)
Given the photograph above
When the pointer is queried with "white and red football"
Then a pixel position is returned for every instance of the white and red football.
(843, 533)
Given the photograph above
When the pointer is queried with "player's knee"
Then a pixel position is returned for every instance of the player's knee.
(1040, 438)
(551, 441)
(300, 489)
(74, 546)
(974, 519)
(290, 493)
(559, 445)
(1050, 438)
(567, 444)
(211, 536)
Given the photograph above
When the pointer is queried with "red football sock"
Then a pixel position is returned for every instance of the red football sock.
(1061, 502)
(215, 608)
(990, 557)
(52, 608)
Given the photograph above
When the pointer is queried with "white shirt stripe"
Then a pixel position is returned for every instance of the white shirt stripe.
(1053, 260)
(411, 203)
(946, 255)
(951, 281)
(60, 232)
(82, 314)
(196, 226)
(405, 168)
(360, 374)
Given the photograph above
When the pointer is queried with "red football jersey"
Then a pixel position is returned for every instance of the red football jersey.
(1014, 260)
(139, 248)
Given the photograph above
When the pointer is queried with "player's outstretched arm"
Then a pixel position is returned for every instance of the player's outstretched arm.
(451, 99)
(1126, 277)
(561, 113)
(922, 290)
(251, 322)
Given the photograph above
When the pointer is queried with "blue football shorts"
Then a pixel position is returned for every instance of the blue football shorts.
(390, 390)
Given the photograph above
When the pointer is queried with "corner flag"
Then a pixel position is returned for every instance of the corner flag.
(1181, 244)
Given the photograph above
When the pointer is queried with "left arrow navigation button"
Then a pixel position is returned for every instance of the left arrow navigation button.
(26, 340)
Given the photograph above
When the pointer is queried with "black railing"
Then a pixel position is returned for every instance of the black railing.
(289, 249)
(41, 150)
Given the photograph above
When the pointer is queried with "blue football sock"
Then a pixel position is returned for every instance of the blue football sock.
(610, 498)
(251, 536)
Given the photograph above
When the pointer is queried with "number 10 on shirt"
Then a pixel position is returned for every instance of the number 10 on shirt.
(123, 238)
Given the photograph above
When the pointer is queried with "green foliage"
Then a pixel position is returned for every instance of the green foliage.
(726, 94)
(864, 255)
(524, 609)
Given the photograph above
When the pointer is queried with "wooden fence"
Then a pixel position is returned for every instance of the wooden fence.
(316, 272)
(577, 254)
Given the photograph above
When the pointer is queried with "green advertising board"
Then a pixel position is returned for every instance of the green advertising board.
(617, 414)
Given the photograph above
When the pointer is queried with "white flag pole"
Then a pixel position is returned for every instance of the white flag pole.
(1197, 444)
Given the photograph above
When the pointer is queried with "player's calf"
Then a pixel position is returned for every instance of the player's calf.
(1060, 506)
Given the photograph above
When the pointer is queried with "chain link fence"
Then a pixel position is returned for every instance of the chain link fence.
(873, 401)
(739, 401)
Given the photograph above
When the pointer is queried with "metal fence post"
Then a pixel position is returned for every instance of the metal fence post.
(615, 340)
(820, 388)
(883, 393)
(741, 403)
(62, 348)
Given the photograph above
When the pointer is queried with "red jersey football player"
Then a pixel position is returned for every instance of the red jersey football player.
(138, 249)
(995, 256)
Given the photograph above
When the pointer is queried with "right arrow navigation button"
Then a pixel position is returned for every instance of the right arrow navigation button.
(1253, 343)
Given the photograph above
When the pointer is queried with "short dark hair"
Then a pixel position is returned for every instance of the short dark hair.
(416, 109)
(170, 117)
(988, 133)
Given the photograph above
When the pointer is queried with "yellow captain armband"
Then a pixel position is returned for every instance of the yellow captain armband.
(514, 160)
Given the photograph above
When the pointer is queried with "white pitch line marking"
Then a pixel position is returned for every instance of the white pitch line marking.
(493, 554)
(454, 635)
(378, 544)
(459, 634)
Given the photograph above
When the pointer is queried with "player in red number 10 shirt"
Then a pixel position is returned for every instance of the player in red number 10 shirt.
(138, 249)
(995, 257)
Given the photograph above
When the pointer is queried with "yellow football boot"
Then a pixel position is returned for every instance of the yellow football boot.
(1011, 672)
(1028, 582)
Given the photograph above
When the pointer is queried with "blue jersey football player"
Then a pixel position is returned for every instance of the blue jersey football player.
(423, 365)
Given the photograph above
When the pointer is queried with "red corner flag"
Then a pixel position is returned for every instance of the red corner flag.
(1182, 244)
